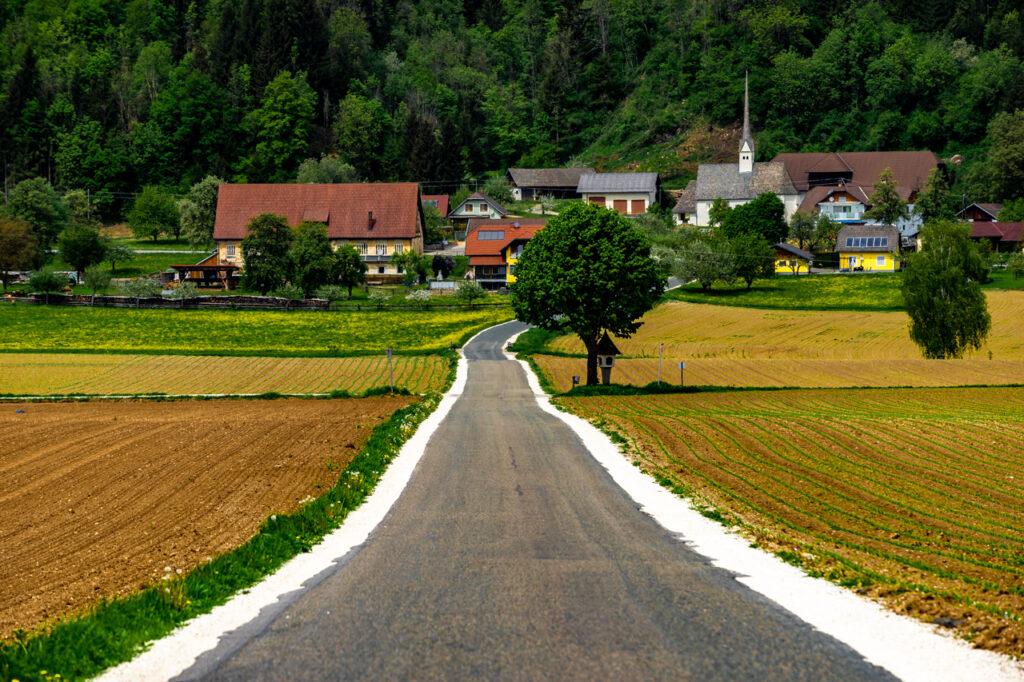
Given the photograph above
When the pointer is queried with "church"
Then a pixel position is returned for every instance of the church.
(736, 183)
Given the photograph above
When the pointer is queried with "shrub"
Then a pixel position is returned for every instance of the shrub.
(419, 298)
(379, 297)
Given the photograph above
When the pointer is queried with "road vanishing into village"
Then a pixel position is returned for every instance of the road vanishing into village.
(513, 555)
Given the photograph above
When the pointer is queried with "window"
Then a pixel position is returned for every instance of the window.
(490, 235)
(880, 261)
(361, 248)
(382, 248)
(229, 252)
(483, 208)
(399, 247)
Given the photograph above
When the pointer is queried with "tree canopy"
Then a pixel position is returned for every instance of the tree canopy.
(942, 290)
(590, 270)
(266, 250)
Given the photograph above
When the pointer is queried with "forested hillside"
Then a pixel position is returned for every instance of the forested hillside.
(110, 96)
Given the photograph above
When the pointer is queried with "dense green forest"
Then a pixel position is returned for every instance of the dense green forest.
(111, 96)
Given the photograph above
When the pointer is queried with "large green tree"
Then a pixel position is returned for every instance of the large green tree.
(17, 247)
(81, 245)
(886, 205)
(280, 129)
(198, 211)
(313, 260)
(589, 269)
(36, 202)
(942, 290)
(266, 252)
(764, 216)
(154, 213)
(349, 268)
(753, 258)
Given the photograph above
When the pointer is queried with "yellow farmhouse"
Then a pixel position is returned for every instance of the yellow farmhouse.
(380, 220)
(868, 248)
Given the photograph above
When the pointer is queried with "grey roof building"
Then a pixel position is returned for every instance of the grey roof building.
(737, 183)
(532, 183)
(607, 188)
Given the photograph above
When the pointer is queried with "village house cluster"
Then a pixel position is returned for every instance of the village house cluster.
(382, 220)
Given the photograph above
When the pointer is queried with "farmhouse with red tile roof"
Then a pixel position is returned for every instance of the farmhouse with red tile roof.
(379, 219)
(494, 246)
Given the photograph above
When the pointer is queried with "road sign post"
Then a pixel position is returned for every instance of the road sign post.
(391, 371)
(661, 349)
(682, 368)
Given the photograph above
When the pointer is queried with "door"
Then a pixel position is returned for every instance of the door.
(851, 262)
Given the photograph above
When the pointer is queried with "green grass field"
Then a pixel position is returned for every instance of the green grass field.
(29, 328)
(875, 292)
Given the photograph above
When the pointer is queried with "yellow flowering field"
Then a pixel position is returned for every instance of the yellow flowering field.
(50, 374)
(31, 328)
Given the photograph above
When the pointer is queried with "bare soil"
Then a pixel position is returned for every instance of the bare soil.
(100, 499)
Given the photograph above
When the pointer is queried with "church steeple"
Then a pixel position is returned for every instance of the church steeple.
(747, 141)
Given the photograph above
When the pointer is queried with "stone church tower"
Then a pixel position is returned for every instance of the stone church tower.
(747, 142)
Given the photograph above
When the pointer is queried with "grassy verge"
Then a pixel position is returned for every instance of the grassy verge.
(114, 631)
(26, 328)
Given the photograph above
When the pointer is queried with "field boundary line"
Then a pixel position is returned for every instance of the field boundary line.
(906, 647)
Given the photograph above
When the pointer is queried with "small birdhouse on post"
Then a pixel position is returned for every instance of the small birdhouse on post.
(606, 352)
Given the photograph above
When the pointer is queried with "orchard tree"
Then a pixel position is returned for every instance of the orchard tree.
(17, 247)
(311, 256)
(46, 280)
(198, 211)
(96, 278)
(753, 258)
(589, 269)
(942, 290)
(36, 202)
(802, 229)
(765, 216)
(266, 252)
(349, 270)
(154, 213)
(886, 205)
(933, 200)
(706, 259)
(118, 253)
(80, 246)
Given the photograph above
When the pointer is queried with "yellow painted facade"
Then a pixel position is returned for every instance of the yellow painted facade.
(791, 266)
(868, 262)
(370, 249)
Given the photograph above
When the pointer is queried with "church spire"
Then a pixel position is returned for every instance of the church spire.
(747, 141)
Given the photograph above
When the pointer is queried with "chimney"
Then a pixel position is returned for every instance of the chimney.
(370, 221)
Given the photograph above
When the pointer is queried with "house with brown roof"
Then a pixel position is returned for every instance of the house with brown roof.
(736, 183)
(790, 259)
(494, 247)
(840, 185)
(980, 213)
(1002, 236)
(868, 248)
(380, 220)
(533, 183)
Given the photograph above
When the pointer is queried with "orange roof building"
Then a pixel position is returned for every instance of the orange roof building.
(494, 247)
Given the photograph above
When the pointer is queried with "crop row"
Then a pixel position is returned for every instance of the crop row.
(896, 489)
(794, 373)
(49, 374)
(235, 332)
(694, 331)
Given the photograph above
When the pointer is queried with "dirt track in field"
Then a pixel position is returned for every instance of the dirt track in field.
(99, 498)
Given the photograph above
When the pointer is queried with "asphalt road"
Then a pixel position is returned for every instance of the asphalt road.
(513, 555)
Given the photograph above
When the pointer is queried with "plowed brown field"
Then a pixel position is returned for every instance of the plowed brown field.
(100, 498)
(25, 374)
(916, 496)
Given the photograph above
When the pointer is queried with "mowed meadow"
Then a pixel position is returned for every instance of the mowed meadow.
(734, 346)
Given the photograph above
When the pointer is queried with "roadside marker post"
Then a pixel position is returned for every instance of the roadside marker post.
(682, 368)
(391, 371)
(661, 349)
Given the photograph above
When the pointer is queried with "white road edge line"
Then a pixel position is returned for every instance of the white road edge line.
(907, 648)
(178, 651)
